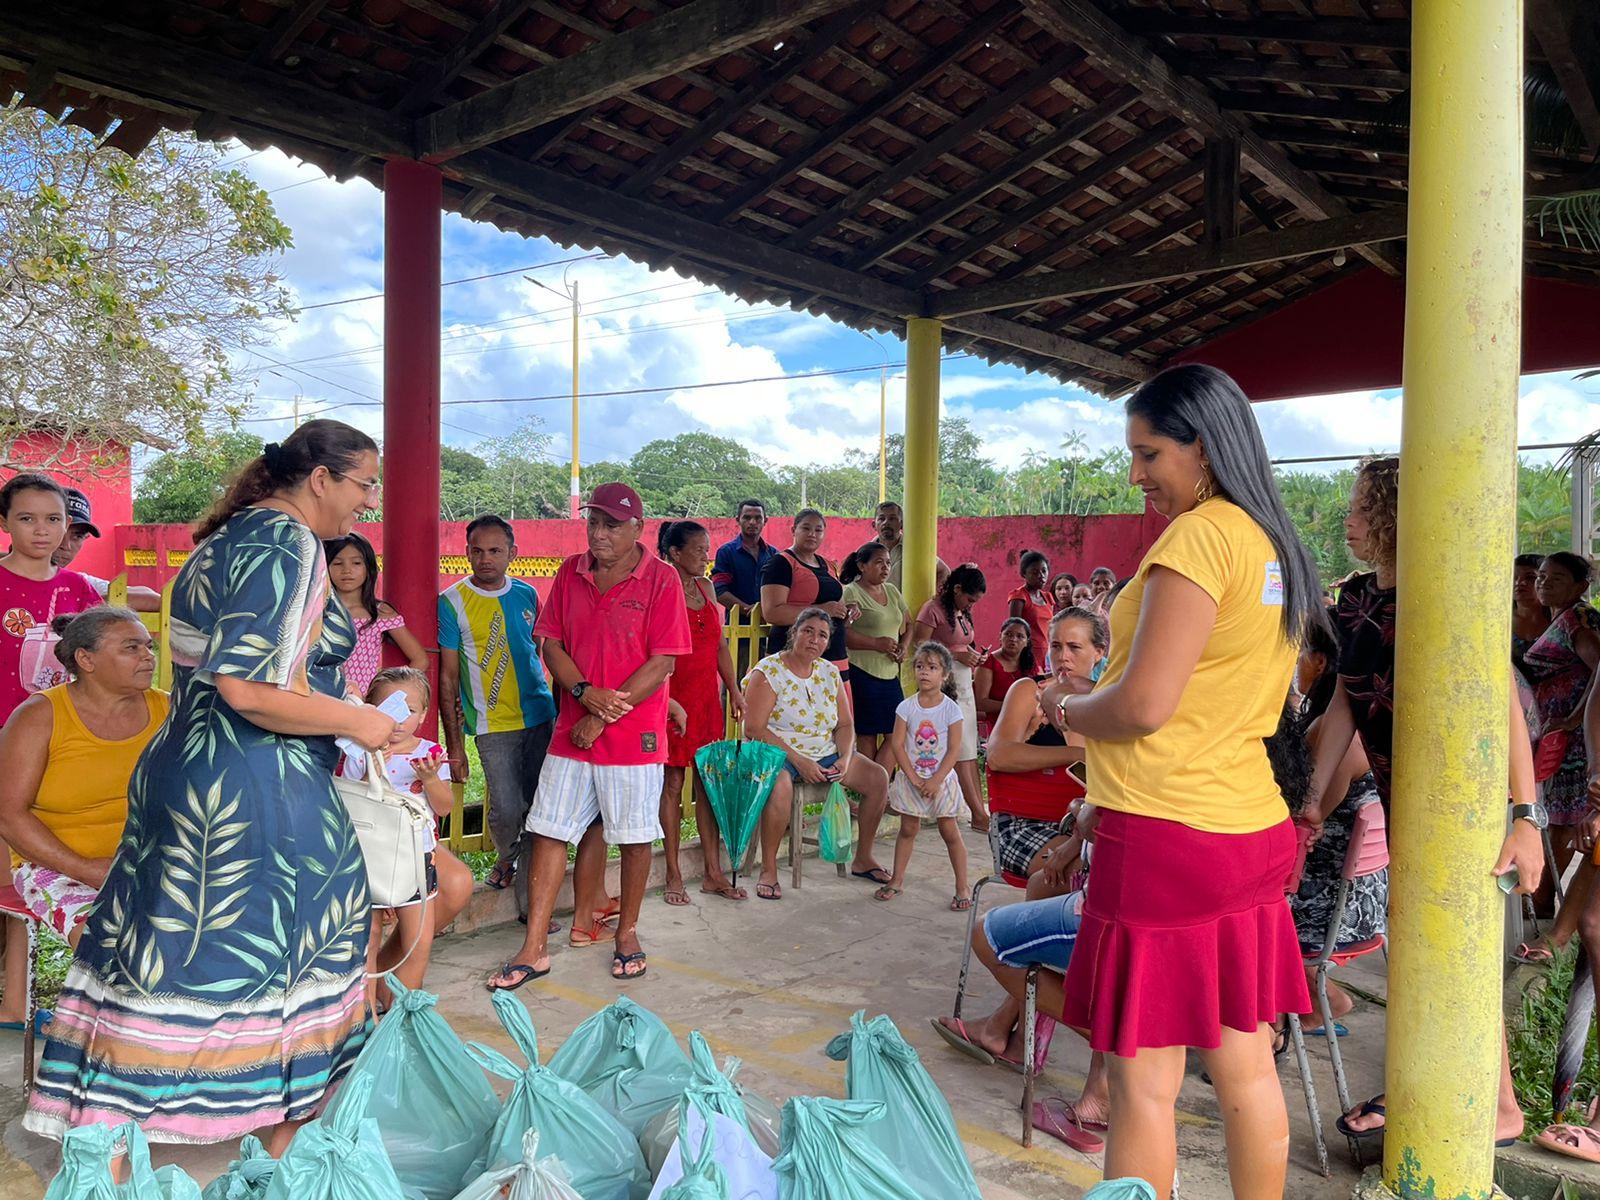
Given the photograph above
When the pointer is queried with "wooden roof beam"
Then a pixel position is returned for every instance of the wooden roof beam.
(441, 74)
(1129, 57)
(1221, 203)
(1567, 34)
(1281, 104)
(1211, 66)
(699, 32)
(290, 24)
(1125, 271)
(1323, 31)
(1051, 345)
(904, 86)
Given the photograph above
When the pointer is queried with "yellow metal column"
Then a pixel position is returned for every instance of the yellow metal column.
(1457, 522)
(922, 460)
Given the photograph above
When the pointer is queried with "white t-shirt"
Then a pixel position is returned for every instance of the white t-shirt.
(927, 732)
(103, 586)
(400, 772)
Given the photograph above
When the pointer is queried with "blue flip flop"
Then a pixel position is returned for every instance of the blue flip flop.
(1322, 1031)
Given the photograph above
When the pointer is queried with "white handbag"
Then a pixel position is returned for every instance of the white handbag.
(392, 827)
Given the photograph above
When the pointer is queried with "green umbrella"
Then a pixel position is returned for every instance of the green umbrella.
(738, 776)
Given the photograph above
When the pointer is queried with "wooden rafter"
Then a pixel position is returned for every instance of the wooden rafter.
(699, 32)
(1210, 66)
(1221, 204)
(1323, 31)
(1123, 271)
(1567, 34)
(437, 76)
(1012, 220)
(1281, 104)
(934, 64)
(1050, 345)
(291, 22)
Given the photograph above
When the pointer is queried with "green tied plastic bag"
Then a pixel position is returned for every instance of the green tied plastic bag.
(247, 1176)
(533, 1178)
(1121, 1189)
(703, 1177)
(338, 1157)
(85, 1173)
(828, 1156)
(429, 1098)
(836, 838)
(602, 1157)
(918, 1131)
(721, 1094)
(627, 1060)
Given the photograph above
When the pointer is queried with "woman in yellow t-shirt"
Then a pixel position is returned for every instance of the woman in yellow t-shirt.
(1186, 937)
(66, 756)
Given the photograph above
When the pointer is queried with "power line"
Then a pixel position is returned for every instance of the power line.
(1332, 458)
(560, 262)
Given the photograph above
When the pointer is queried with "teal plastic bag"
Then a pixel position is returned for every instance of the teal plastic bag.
(85, 1173)
(602, 1157)
(247, 1176)
(836, 838)
(1121, 1189)
(338, 1157)
(828, 1156)
(722, 1095)
(703, 1178)
(533, 1178)
(626, 1058)
(918, 1131)
(432, 1103)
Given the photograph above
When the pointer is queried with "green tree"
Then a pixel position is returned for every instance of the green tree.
(177, 487)
(127, 285)
(1544, 509)
(698, 471)
(521, 480)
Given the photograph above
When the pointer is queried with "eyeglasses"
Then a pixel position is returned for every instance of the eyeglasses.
(370, 486)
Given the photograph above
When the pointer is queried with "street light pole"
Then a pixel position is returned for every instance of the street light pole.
(572, 490)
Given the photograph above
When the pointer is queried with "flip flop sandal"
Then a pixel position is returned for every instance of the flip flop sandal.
(620, 964)
(1044, 1028)
(611, 911)
(1532, 955)
(525, 971)
(1572, 1141)
(960, 903)
(682, 895)
(597, 933)
(503, 875)
(1322, 1031)
(959, 1039)
(888, 892)
(1369, 1108)
(1054, 1116)
(727, 891)
(876, 875)
(769, 891)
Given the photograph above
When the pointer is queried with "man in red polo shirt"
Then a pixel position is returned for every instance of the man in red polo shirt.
(613, 625)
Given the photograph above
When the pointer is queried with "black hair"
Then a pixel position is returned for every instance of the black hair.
(969, 579)
(675, 535)
(850, 569)
(1099, 628)
(492, 521)
(1574, 564)
(1196, 403)
(1025, 661)
(807, 512)
(1116, 590)
(806, 614)
(1528, 561)
(1029, 557)
(86, 630)
(320, 443)
(752, 503)
(1102, 571)
(1289, 754)
(29, 481)
(333, 547)
(1320, 640)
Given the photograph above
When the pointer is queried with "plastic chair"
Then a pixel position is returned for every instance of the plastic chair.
(1292, 1020)
(1030, 1000)
(1367, 854)
(11, 905)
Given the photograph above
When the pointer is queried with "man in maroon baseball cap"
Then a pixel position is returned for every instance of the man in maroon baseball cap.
(613, 626)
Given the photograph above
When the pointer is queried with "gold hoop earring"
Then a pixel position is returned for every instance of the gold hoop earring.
(1204, 489)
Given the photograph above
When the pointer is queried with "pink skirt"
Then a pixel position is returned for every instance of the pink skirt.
(1183, 933)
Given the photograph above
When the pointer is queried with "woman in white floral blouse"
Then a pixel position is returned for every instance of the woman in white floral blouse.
(796, 700)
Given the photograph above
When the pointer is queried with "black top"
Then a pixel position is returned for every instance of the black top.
(1364, 622)
(780, 571)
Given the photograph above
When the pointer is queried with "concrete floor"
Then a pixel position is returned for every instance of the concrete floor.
(772, 983)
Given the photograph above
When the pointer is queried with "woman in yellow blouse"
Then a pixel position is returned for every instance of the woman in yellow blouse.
(1186, 937)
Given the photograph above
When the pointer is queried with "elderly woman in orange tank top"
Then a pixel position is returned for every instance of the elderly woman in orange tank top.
(66, 756)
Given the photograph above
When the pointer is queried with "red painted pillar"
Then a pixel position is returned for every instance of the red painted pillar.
(412, 200)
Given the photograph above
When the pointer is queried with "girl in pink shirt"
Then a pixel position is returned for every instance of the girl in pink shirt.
(353, 572)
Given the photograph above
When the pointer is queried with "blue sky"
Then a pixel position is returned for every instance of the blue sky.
(507, 341)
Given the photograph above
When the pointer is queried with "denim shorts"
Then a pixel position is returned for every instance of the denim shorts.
(794, 771)
(1035, 931)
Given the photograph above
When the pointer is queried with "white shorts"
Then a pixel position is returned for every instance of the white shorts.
(571, 794)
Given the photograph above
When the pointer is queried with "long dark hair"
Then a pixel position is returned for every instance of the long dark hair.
(319, 443)
(1320, 640)
(333, 547)
(850, 569)
(1200, 403)
(28, 481)
(969, 579)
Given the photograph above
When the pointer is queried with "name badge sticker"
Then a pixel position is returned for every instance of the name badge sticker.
(1272, 585)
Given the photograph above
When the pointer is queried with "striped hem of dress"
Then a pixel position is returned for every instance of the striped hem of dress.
(191, 1071)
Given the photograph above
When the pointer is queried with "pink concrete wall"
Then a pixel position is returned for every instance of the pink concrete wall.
(151, 554)
(101, 473)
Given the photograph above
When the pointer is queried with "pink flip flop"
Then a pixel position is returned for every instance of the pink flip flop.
(959, 1039)
(1058, 1118)
(1044, 1029)
(1573, 1141)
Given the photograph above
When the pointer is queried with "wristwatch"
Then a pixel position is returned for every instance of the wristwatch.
(579, 688)
(1534, 814)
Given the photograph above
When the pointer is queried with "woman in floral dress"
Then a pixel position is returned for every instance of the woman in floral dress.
(217, 989)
